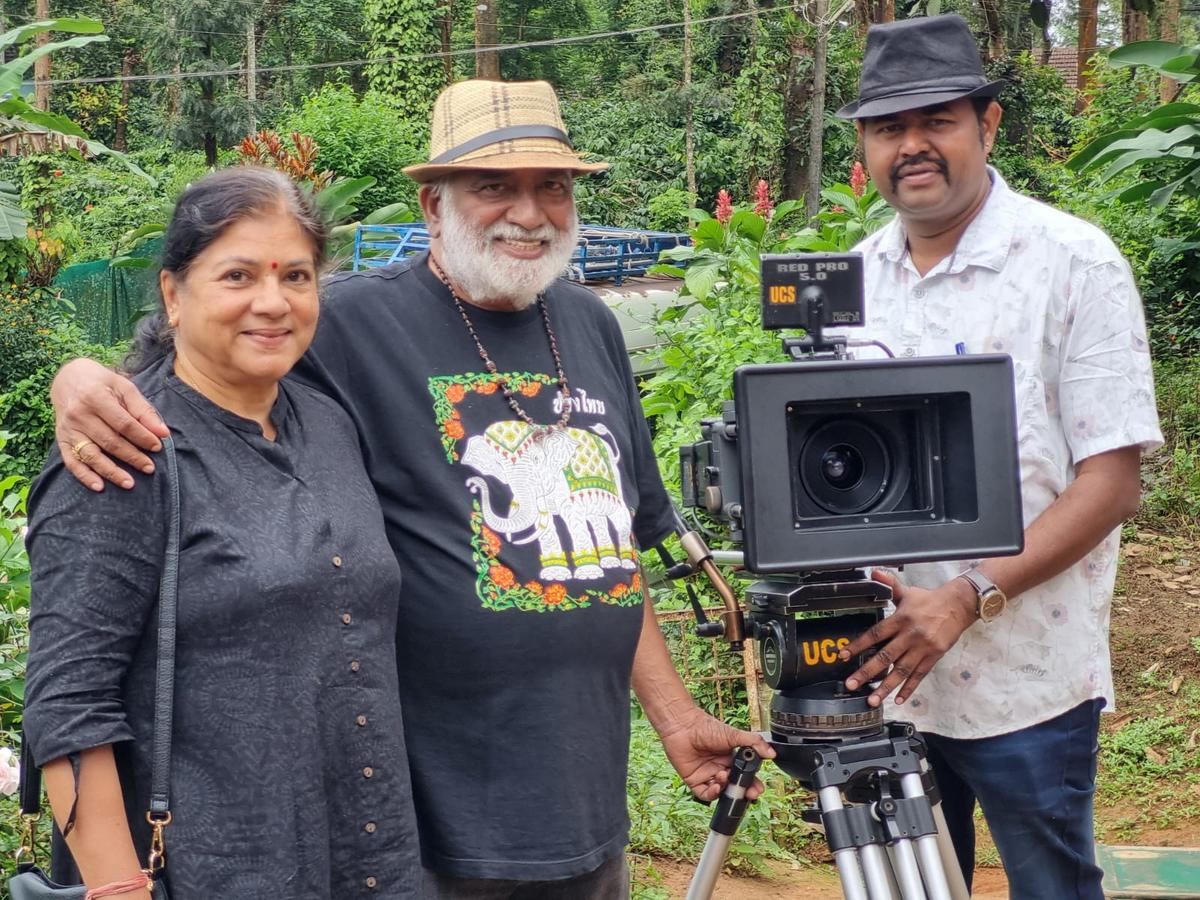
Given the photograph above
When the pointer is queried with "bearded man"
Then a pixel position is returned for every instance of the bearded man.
(502, 429)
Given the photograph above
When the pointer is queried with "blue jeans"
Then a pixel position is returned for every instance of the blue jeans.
(1036, 787)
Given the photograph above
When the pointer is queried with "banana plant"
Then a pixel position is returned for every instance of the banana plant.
(26, 129)
(1168, 135)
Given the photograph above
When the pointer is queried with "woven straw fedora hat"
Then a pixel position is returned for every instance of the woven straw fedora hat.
(498, 125)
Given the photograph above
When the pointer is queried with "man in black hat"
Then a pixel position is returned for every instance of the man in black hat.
(1008, 692)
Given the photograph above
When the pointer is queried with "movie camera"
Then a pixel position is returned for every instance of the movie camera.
(818, 467)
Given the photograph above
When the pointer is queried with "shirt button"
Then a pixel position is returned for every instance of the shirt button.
(361, 720)
(369, 828)
(355, 665)
(909, 351)
(337, 561)
(368, 772)
(918, 293)
(372, 882)
(346, 618)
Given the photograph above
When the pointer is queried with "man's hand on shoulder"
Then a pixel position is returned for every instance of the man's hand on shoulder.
(99, 415)
(926, 624)
(701, 747)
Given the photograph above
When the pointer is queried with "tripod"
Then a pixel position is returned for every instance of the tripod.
(879, 807)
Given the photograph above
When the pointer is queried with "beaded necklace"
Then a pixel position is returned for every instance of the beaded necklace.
(505, 387)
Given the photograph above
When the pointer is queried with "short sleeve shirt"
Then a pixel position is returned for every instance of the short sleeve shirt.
(1055, 294)
(522, 602)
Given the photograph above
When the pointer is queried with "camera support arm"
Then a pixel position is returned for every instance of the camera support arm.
(732, 626)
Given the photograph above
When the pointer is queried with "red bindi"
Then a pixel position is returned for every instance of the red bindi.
(274, 265)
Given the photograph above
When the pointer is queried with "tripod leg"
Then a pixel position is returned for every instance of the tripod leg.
(877, 869)
(730, 809)
(829, 799)
(908, 873)
(957, 889)
(934, 867)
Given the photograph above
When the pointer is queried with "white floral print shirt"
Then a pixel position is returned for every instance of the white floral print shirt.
(1054, 293)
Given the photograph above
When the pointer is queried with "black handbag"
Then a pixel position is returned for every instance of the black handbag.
(30, 882)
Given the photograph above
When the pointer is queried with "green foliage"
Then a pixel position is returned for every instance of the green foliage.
(400, 31)
(669, 210)
(36, 337)
(846, 219)
(360, 137)
(1164, 144)
(1172, 496)
(667, 822)
(1146, 749)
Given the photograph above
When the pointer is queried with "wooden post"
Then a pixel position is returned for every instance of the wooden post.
(252, 74)
(41, 68)
(690, 126)
(487, 16)
(816, 125)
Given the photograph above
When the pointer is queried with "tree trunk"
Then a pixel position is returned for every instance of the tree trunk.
(208, 98)
(797, 89)
(447, 32)
(690, 127)
(1086, 46)
(816, 122)
(251, 75)
(41, 68)
(487, 15)
(128, 61)
(995, 28)
(1168, 30)
(1135, 26)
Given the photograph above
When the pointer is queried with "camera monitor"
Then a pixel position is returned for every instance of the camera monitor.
(811, 290)
(852, 463)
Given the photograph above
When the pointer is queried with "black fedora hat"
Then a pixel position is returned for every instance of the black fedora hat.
(918, 62)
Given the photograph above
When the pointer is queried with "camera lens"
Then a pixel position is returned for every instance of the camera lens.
(842, 466)
(845, 466)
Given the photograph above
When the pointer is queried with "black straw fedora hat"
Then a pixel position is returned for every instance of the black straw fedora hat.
(918, 62)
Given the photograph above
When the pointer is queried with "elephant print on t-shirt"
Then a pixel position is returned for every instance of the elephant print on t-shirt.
(565, 475)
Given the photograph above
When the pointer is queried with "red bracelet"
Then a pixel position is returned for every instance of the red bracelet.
(120, 887)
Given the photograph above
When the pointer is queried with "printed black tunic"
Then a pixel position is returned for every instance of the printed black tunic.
(289, 771)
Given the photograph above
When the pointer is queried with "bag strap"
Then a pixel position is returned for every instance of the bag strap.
(164, 682)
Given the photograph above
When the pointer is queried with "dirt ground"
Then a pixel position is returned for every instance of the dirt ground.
(1156, 656)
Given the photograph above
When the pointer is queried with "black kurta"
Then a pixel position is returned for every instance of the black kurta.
(289, 771)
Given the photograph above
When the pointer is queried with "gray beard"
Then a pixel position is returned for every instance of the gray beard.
(486, 275)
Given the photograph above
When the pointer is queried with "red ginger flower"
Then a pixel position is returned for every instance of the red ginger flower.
(724, 206)
(762, 199)
(858, 179)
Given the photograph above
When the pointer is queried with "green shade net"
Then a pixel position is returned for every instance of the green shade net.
(107, 302)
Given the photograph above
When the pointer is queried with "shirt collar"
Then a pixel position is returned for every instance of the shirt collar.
(986, 242)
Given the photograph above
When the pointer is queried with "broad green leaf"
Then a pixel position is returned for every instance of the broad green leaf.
(1182, 68)
(12, 217)
(16, 108)
(1152, 139)
(132, 236)
(933, 7)
(709, 234)
(130, 262)
(1146, 53)
(663, 269)
(697, 215)
(1170, 248)
(1125, 161)
(840, 195)
(17, 67)
(1159, 198)
(336, 201)
(76, 25)
(700, 278)
(1086, 158)
(681, 253)
(392, 214)
(748, 224)
(1139, 191)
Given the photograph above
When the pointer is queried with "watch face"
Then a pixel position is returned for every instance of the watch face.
(991, 605)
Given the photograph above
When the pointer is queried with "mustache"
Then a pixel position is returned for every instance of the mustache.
(899, 170)
(508, 231)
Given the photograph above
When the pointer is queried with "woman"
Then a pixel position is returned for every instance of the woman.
(288, 769)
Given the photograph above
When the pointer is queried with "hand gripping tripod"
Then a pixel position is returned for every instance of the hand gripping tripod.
(875, 795)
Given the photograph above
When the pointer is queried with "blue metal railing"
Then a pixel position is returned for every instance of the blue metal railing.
(603, 253)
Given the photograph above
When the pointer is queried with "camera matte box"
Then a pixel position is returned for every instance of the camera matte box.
(954, 486)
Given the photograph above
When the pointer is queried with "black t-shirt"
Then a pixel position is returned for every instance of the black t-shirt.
(522, 602)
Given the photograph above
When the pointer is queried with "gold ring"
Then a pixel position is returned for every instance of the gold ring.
(78, 446)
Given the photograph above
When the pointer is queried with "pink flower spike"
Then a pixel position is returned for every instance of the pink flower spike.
(724, 207)
(858, 179)
(762, 199)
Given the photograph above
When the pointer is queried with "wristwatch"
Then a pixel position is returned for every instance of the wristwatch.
(990, 601)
